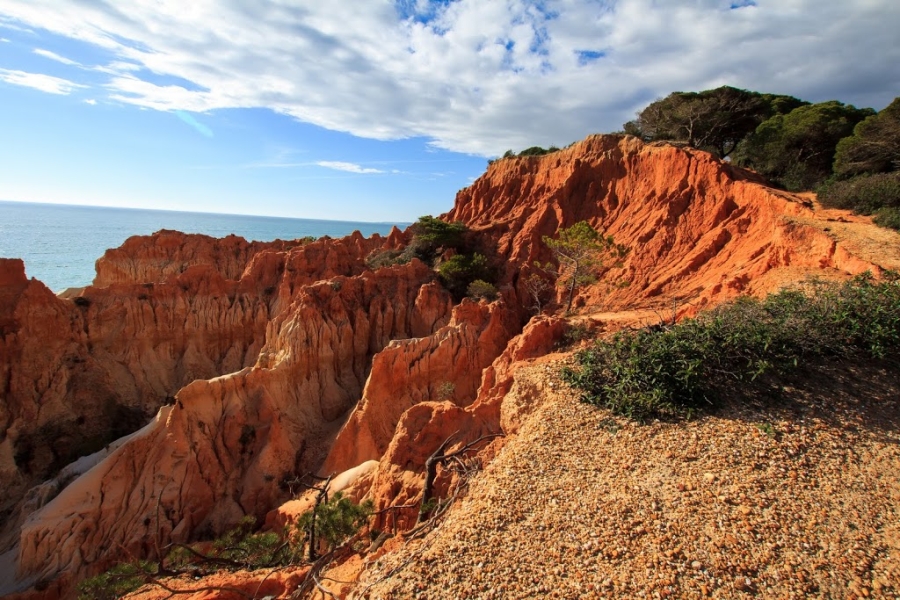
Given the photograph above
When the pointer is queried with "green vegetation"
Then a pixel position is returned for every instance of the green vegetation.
(583, 254)
(430, 238)
(714, 120)
(432, 233)
(674, 371)
(874, 146)
(385, 258)
(117, 582)
(334, 521)
(459, 271)
(532, 151)
(482, 289)
(867, 169)
(877, 194)
(797, 150)
(449, 248)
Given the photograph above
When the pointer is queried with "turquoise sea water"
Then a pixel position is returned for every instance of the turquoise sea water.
(59, 243)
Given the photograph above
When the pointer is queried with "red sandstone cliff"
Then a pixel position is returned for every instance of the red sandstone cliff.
(306, 360)
(698, 229)
(173, 252)
(79, 372)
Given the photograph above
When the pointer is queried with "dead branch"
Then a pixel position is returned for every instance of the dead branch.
(210, 559)
(438, 457)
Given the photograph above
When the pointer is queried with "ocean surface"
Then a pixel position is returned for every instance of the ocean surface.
(60, 243)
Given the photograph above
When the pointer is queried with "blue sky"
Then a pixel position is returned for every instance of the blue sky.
(378, 110)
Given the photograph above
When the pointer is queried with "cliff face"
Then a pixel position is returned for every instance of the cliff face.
(220, 452)
(274, 360)
(699, 229)
(80, 372)
(172, 253)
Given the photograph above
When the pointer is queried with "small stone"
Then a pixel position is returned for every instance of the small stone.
(696, 565)
(709, 477)
(743, 584)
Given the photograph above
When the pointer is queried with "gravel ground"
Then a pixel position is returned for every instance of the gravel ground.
(794, 499)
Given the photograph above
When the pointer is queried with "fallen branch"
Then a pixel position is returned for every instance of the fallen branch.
(438, 457)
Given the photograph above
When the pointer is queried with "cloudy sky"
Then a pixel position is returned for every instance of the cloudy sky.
(379, 109)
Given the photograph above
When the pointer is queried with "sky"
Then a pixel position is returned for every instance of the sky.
(379, 110)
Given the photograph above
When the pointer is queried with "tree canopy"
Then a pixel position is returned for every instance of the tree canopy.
(874, 146)
(797, 149)
(714, 120)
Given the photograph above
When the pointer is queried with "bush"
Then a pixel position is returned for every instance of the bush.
(864, 194)
(436, 233)
(460, 270)
(677, 370)
(874, 146)
(385, 258)
(889, 217)
(482, 289)
(537, 151)
(116, 582)
(796, 150)
(336, 520)
(431, 237)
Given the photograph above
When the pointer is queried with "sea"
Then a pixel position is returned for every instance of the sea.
(60, 243)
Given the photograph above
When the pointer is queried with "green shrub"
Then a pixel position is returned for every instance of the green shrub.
(116, 582)
(889, 217)
(431, 237)
(864, 194)
(436, 233)
(239, 547)
(386, 258)
(336, 520)
(535, 151)
(674, 371)
(482, 289)
(458, 271)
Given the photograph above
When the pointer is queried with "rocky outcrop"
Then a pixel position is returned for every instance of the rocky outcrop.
(699, 229)
(221, 450)
(279, 359)
(79, 372)
(444, 366)
(171, 253)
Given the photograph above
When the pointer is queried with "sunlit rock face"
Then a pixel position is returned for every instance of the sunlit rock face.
(262, 362)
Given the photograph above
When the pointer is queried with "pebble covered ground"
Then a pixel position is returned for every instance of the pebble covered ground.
(797, 498)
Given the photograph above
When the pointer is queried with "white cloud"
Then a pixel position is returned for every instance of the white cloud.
(346, 166)
(91, 101)
(39, 81)
(4, 41)
(55, 56)
(476, 76)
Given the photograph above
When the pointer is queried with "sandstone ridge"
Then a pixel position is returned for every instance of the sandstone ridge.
(262, 362)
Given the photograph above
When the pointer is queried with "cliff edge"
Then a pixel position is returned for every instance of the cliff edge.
(266, 362)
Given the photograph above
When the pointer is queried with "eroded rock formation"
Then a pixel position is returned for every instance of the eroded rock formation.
(699, 230)
(289, 358)
(79, 372)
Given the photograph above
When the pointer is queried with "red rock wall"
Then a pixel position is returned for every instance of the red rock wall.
(71, 368)
(300, 326)
(221, 450)
(698, 229)
(171, 253)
